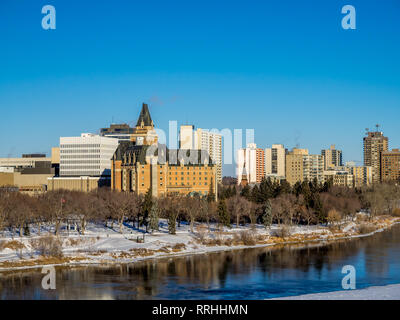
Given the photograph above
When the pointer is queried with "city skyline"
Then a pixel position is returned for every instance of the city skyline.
(239, 68)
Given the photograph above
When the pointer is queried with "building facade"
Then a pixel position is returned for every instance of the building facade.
(332, 157)
(87, 155)
(143, 164)
(210, 142)
(340, 178)
(252, 160)
(313, 167)
(294, 165)
(275, 161)
(122, 132)
(390, 165)
(374, 144)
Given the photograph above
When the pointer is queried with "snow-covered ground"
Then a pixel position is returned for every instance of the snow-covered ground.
(389, 292)
(102, 244)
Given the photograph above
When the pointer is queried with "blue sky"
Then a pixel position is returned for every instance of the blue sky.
(284, 68)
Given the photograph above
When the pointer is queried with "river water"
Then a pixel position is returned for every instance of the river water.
(239, 274)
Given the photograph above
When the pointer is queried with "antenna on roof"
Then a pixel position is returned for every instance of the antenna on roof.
(377, 127)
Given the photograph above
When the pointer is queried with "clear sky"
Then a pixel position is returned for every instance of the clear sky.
(284, 68)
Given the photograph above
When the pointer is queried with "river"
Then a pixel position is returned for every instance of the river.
(258, 273)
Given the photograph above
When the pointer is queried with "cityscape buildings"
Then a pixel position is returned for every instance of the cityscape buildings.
(136, 167)
(275, 158)
(332, 157)
(390, 165)
(202, 139)
(374, 144)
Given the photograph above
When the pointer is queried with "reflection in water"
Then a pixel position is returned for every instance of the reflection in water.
(240, 274)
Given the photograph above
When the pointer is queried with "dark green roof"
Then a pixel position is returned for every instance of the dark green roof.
(144, 116)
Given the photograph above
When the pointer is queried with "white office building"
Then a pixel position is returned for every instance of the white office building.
(247, 159)
(87, 155)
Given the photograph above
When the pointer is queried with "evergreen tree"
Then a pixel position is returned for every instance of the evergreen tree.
(246, 192)
(146, 208)
(153, 218)
(267, 215)
(223, 213)
(172, 223)
(27, 232)
(211, 194)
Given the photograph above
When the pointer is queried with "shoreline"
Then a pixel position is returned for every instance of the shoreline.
(76, 260)
(384, 292)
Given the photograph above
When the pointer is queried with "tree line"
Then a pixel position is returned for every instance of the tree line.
(267, 203)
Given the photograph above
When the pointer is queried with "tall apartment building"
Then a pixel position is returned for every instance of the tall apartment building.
(122, 132)
(212, 143)
(313, 167)
(332, 157)
(275, 158)
(374, 144)
(301, 166)
(294, 165)
(260, 163)
(390, 165)
(87, 155)
(250, 161)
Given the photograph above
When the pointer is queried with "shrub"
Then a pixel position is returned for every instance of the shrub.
(200, 234)
(13, 245)
(247, 238)
(396, 212)
(228, 242)
(283, 232)
(179, 246)
(49, 246)
(365, 228)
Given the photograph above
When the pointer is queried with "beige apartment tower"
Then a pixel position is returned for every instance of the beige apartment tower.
(374, 144)
(390, 169)
(294, 165)
(275, 158)
(332, 157)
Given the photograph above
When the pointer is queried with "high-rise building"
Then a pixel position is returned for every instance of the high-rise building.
(252, 160)
(260, 163)
(313, 167)
(390, 168)
(122, 132)
(186, 137)
(275, 159)
(294, 170)
(301, 166)
(87, 155)
(374, 144)
(210, 142)
(332, 157)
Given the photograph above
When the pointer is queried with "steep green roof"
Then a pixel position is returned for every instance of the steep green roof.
(144, 116)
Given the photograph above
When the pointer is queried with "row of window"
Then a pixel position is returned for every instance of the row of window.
(182, 178)
(77, 145)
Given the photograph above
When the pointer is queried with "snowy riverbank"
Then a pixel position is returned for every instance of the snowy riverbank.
(389, 292)
(104, 245)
